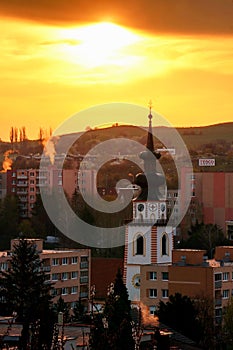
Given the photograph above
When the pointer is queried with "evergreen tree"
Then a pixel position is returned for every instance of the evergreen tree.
(228, 322)
(205, 236)
(63, 307)
(40, 221)
(78, 311)
(180, 313)
(113, 330)
(9, 220)
(25, 291)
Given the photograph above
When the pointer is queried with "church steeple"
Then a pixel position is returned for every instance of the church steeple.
(150, 143)
(150, 177)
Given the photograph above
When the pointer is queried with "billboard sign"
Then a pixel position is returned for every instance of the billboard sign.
(207, 162)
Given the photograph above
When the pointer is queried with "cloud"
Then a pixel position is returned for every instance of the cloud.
(158, 16)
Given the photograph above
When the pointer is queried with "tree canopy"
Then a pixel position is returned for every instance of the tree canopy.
(26, 291)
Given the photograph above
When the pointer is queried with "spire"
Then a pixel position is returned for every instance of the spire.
(150, 143)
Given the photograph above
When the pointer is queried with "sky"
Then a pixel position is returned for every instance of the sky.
(60, 57)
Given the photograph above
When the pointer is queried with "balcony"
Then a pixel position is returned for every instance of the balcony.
(22, 177)
(47, 268)
(22, 184)
(83, 294)
(84, 265)
(218, 302)
(23, 199)
(84, 279)
(22, 191)
(218, 284)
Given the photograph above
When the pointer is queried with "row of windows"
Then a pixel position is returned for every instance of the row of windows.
(64, 276)
(153, 293)
(225, 276)
(140, 245)
(72, 260)
(65, 291)
(153, 276)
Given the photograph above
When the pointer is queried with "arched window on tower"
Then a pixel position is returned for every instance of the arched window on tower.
(164, 245)
(139, 245)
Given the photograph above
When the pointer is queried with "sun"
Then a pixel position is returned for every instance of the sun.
(99, 44)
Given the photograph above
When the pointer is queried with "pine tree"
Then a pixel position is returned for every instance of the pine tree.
(113, 331)
(26, 292)
(63, 307)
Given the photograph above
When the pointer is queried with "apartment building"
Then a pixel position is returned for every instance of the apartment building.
(26, 184)
(69, 270)
(190, 274)
(212, 192)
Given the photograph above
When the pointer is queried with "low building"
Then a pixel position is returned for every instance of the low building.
(192, 274)
(69, 270)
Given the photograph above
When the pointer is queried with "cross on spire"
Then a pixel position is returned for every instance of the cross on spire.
(150, 144)
(150, 107)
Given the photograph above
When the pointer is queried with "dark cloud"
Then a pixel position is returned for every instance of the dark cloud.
(158, 16)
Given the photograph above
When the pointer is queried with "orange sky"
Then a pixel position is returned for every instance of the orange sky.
(58, 58)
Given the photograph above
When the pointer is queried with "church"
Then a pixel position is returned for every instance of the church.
(148, 239)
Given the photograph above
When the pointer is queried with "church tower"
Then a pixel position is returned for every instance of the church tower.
(147, 238)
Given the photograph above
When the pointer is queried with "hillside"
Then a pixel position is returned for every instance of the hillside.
(213, 140)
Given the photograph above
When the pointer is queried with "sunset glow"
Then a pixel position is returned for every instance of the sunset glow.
(97, 44)
(52, 71)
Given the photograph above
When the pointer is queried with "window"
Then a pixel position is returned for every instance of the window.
(31, 173)
(218, 277)
(55, 261)
(139, 245)
(64, 261)
(153, 293)
(54, 276)
(74, 260)
(225, 293)
(152, 309)
(74, 274)
(32, 182)
(153, 275)
(64, 291)
(72, 304)
(32, 189)
(218, 312)
(74, 290)
(54, 292)
(84, 262)
(64, 276)
(164, 245)
(164, 293)
(225, 276)
(165, 276)
(83, 276)
(84, 258)
(3, 266)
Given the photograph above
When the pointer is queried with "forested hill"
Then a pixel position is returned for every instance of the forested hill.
(212, 139)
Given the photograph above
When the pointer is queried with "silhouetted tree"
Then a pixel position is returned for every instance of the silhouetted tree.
(61, 306)
(9, 220)
(26, 292)
(205, 236)
(78, 311)
(205, 317)
(113, 329)
(180, 314)
(228, 322)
